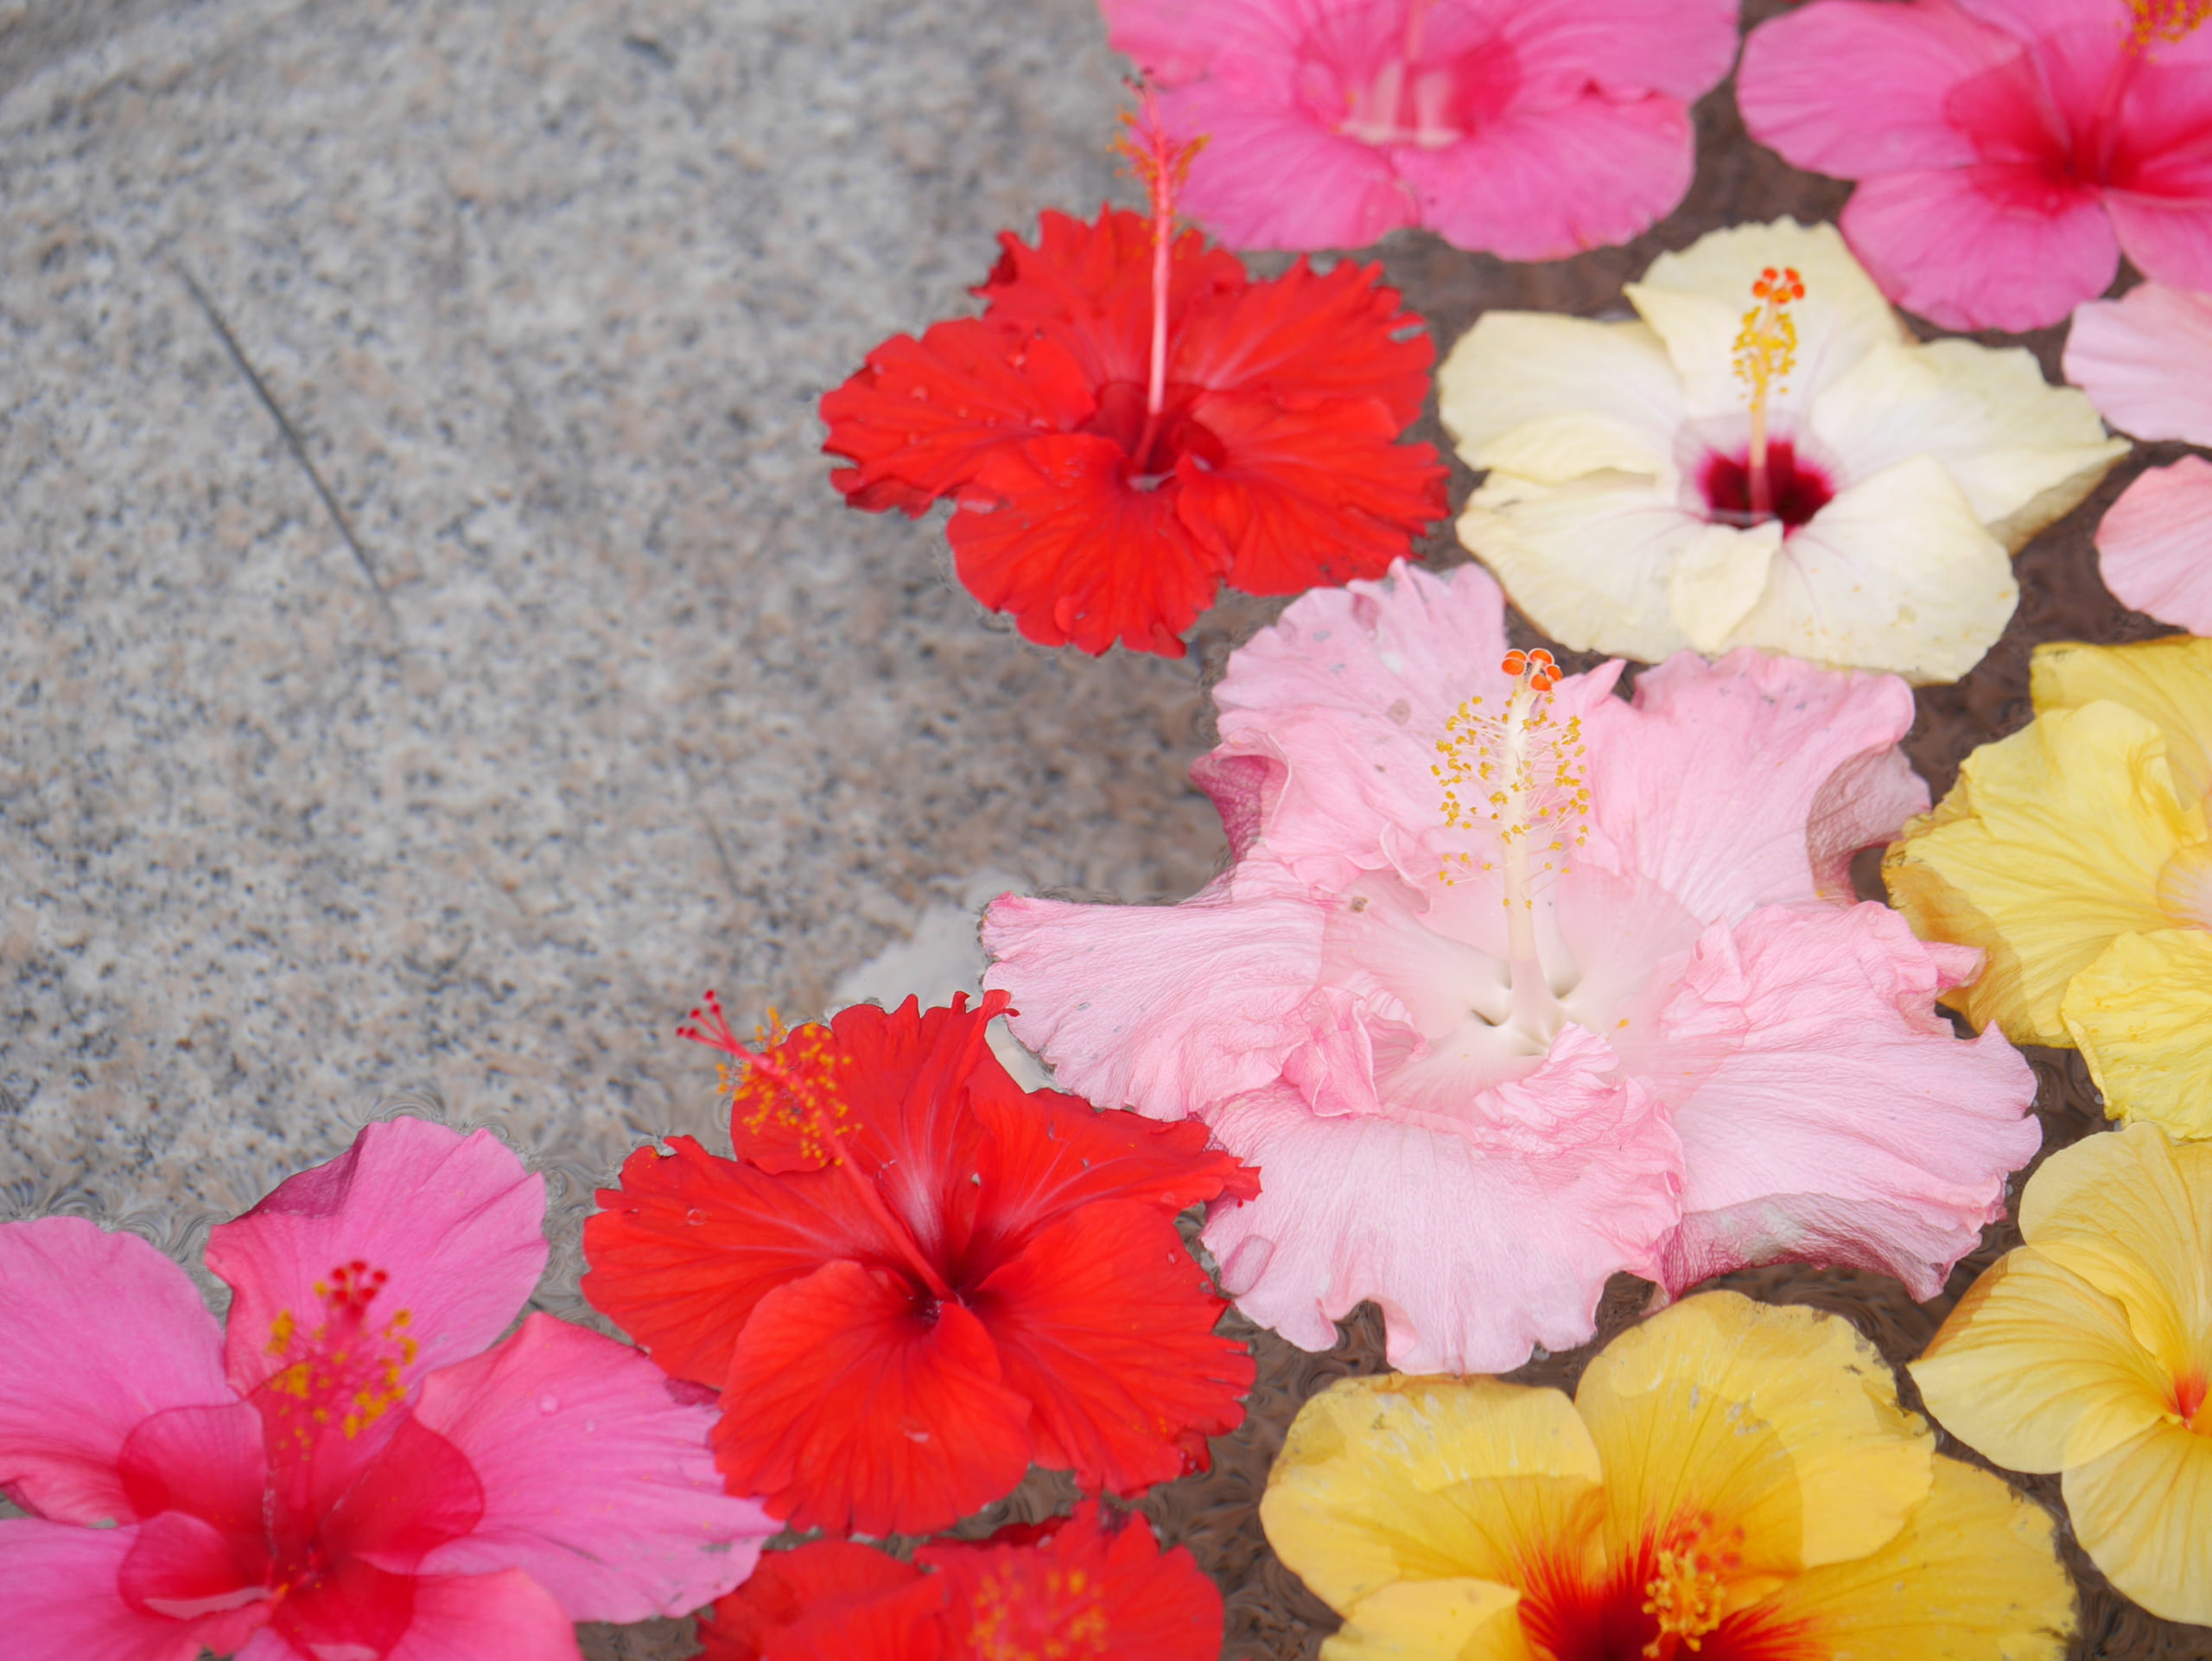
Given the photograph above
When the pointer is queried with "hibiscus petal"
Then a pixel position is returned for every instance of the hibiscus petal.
(1623, 46)
(1272, 176)
(690, 1242)
(2167, 681)
(853, 1408)
(1476, 1250)
(97, 1332)
(1052, 532)
(2037, 1370)
(188, 1570)
(827, 1598)
(65, 1601)
(1551, 398)
(1107, 1326)
(596, 1478)
(207, 1461)
(1988, 246)
(1544, 183)
(2136, 1512)
(468, 1617)
(2139, 1015)
(2161, 208)
(456, 1221)
(2146, 361)
(1160, 1008)
(2154, 546)
(1705, 782)
(1827, 1113)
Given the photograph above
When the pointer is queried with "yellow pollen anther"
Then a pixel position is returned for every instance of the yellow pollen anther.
(1688, 1590)
(1534, 761)
(2171, 21)
(784, 1086)
(1766, 348)
(344, 1372)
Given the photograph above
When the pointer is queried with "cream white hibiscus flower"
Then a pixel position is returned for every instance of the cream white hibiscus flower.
(1764, 457)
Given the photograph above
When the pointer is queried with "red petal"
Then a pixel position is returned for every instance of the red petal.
(681, 1252)
(1090, 288)
(827, 1598)
(1106, 1324)
(853, 1405)
(918, 420)
(1306, 340)
(1078, 1592)
(1051, 532)
(1307, 495)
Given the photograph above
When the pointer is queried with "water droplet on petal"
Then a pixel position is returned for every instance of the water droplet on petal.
(694, 1217)
(549, 1404)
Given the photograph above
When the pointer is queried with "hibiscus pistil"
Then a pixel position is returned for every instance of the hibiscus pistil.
(1162, 164)
(1766, 351)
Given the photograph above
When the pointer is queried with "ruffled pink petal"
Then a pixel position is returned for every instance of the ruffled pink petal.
(1545, 183)
(2146, 361)
(1708, 782)
(2154, 547)
(1680, 48)
(1163, 1009)
(98, 1332)
(1864, 805)
(1857, 88)
(1827, 1113)
(1987, 246)
(475, 1617)
(1477, 1243)
(217, 1585)
(1271, 176)
(598, 1480)
(65, 1601)
(456, 1221)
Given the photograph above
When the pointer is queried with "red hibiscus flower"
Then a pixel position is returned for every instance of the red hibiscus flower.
(916, 1279)
(1133, 421)
(1071, 1588)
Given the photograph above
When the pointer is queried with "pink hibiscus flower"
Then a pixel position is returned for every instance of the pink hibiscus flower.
(2146, 361)
(353, 1470)
(1532, 128)
(1514, 984)
(2008, 150)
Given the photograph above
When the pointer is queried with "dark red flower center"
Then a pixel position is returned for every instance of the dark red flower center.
(1800, 489)
(1176, 434)
(1670, 1602)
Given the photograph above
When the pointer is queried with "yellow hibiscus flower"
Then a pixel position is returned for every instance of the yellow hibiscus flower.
(2075, 855)
(1733, 1482)
(2088, 1350)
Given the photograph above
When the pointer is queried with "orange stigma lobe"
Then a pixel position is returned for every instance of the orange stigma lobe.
(2169, 20)
(1540, 667)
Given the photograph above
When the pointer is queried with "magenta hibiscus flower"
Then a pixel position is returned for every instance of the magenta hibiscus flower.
(353, 1470)
(2009, 151)
(1532, 128)
(1515, 984)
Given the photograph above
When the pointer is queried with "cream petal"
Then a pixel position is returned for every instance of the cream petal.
(2168, 681)
(1896, 573)
(2024, 451)
(1718, 576)
(2142, 1018)
(1588, 562)
(2037, 1370)
(1697, 299)
(1554, 397)
(2144, 1514)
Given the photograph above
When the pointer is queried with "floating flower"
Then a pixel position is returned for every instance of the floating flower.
(1765, 459)
(2086, 1351)
(2008, 151)
(1133, 421)
(916, 1278)
(1532, 128)
(2075, 855)
(1515, 984)
(1732, 1481)
(2146, 361)
(354, 1470)
(1075, 1588)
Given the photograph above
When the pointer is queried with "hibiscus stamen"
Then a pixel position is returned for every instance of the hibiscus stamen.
(344, 1375)
(1766, 351)
(1162, 164)
(1524, 775)
(1688, 1590)
(2171, 21)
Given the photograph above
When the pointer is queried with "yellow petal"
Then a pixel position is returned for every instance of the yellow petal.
(1696, 300)
(2024, 451)
(1717, 576)
(2050, 847)
(1397, 1478)
(2037, 1370)
(2142, 1017)
(1974, 1576)
(2144, 1514)
(1779, 1420)
(2168, 681)
(2130, 1212)
(1895, 573)
(1433, 1620)
(1554, 397)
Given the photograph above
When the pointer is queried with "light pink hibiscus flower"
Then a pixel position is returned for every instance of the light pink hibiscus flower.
(1532, 128)
(2008, 150)
(1515, 984)
(2146, 361)
(352, 1471)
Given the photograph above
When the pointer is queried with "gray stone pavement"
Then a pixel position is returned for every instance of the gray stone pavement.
(610, 698)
